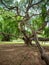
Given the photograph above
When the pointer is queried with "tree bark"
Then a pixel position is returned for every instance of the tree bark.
(44, 56)
(27, 41)
(40, 39)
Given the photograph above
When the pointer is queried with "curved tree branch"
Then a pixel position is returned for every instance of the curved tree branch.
(31, 5)
(10, 7)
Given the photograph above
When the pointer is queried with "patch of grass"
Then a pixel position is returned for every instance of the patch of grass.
(11, 42)
(45, 44)
(21, 42)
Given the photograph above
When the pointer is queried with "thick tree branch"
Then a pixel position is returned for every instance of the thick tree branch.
(44, 56)
(40, 39)
(36, 41)
(10, 7)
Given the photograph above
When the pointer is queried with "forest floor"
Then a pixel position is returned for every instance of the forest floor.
(18, 54)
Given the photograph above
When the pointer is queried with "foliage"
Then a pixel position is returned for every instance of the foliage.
(9, 23)
(9, 19)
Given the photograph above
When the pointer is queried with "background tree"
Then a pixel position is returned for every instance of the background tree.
(8, 24)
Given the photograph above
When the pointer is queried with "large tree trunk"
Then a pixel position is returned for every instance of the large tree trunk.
(27, 41)
(44, 56)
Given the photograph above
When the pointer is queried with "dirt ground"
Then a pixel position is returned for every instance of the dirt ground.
(20, 55)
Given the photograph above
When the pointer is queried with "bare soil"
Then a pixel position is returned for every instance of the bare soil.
(14, 54)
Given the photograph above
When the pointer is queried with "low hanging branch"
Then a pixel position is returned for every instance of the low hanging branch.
(40, 39)
(44, 56)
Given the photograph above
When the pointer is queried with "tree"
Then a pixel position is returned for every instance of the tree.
(25, 10)
(8, 24)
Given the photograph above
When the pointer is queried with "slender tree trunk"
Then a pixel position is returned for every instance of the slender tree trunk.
(44, 56)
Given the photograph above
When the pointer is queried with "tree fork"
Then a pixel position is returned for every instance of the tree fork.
(27, 41)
